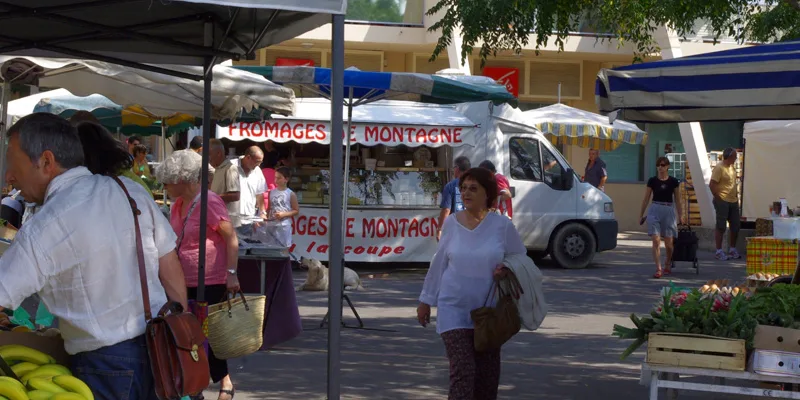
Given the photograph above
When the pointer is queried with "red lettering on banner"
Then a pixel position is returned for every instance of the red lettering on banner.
(244, 129)
(321, 135)
(257, 129)
(270, 129)
(349, 227)
(286, 131)
(457, 135)
(310, 226)
(371, 133)
(398, 227)
(370, 250)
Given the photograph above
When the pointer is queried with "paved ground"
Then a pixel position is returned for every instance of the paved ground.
(573, 355)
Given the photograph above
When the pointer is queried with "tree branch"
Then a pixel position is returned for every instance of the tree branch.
(793, 3)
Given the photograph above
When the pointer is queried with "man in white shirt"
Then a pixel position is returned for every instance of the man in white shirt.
(78, 253)
(252, 185)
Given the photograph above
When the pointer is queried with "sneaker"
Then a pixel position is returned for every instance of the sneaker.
(734, 255)
(720, 255)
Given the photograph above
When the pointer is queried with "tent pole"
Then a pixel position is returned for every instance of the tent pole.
(208, 125)
(336, 242)
(346, 187)
(164, 150)
(3, 129)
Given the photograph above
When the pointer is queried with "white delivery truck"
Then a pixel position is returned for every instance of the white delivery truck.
(555, 213)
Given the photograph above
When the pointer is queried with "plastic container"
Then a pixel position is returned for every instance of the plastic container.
(786, 228)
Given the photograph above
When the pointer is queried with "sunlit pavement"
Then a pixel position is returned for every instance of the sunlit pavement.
(572, 356)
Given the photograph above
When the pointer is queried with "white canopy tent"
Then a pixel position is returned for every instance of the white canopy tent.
(232, 90)
(771, 165)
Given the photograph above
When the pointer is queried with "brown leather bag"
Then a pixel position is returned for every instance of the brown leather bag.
(494, 326)
(174, 337)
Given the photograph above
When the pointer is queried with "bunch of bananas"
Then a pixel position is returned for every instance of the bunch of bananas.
(40, 378)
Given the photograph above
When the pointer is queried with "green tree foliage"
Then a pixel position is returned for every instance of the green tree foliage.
(510, 24)
(374, 10)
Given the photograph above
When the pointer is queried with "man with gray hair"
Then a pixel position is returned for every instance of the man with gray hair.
(78, 254)
(226, 180)
(252, 185)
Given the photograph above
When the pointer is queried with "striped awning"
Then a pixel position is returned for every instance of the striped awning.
(571, 126)
(750, 83)
(368, 86)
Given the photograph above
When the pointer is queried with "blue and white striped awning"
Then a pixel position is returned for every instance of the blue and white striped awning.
(751, 83)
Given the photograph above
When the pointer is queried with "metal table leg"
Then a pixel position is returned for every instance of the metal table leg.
(654, 386)
(263, 266)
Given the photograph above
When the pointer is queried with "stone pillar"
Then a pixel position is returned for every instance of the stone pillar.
(454, 49)
(692, 137)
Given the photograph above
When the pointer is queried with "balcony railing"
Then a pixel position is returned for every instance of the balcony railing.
(386, 12)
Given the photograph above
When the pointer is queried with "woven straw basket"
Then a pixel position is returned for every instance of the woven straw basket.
(235, 327)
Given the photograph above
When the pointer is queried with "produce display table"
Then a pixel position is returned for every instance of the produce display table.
(263, 254)
(661, 376)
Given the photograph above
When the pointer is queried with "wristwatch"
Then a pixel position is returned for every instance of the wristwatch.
(231, 272)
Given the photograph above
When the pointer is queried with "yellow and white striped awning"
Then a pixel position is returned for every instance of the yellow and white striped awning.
(571, 126)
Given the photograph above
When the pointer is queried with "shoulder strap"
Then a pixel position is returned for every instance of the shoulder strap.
(139, 251)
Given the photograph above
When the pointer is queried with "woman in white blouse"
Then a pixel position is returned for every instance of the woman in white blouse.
(468, 259)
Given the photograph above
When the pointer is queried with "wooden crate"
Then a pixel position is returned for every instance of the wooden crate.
(696, 351)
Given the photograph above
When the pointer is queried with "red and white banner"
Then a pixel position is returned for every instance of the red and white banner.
(371, 235)
(287, 130)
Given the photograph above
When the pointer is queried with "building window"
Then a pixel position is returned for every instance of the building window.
(625, 164)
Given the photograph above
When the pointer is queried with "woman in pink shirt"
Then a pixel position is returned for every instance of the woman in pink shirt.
(180, 174)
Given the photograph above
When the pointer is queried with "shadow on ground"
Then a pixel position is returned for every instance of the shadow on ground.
(572, 356)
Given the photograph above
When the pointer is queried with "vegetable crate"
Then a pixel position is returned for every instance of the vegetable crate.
(696, 351)
(770, 255)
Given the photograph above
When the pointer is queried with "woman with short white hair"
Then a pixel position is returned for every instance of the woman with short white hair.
(180, 175)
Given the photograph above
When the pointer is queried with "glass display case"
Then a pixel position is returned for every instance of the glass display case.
(397, 187)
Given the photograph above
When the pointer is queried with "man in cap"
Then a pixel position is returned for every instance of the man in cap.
(724, 187)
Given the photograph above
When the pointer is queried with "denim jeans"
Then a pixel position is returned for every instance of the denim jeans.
(118, 372)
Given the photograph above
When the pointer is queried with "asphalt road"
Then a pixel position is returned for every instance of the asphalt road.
(572, 356)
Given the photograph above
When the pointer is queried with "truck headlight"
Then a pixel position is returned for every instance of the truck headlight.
(608, 207)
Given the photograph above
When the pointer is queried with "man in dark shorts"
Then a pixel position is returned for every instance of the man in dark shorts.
(724, 187)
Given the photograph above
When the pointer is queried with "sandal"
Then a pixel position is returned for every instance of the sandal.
(657, 275)
(230, 392)
(667, 271)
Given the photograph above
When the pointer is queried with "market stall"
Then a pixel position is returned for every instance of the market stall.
(743, 339)
(398, 167)
(771, 148)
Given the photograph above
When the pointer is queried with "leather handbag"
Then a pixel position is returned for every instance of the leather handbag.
(494, 326)
(174, 337)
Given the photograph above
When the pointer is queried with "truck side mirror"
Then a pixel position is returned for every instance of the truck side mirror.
(567, 178)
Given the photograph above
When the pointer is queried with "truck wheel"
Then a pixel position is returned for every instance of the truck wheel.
(537, 255)
(573, 246)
